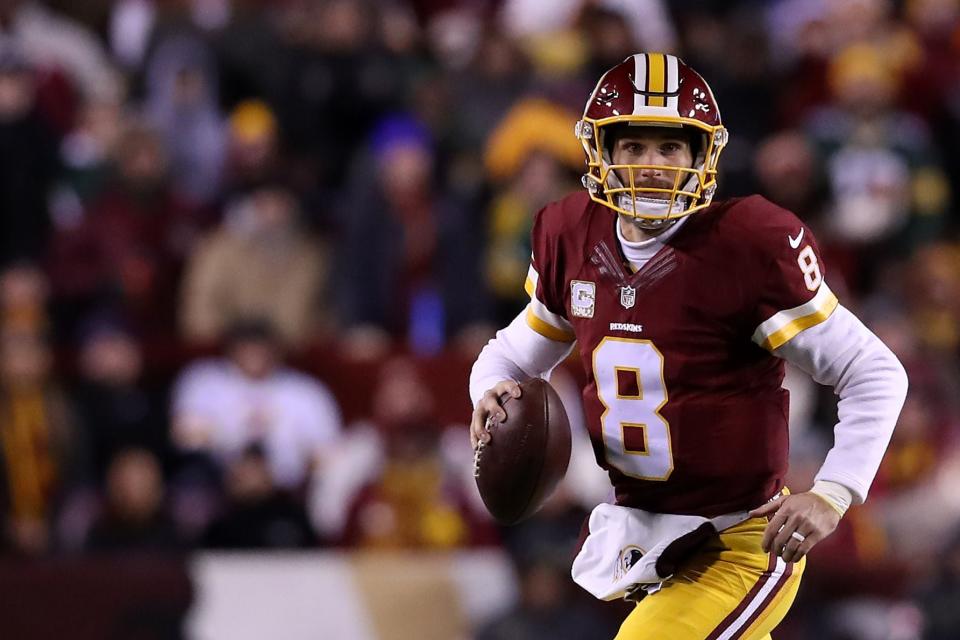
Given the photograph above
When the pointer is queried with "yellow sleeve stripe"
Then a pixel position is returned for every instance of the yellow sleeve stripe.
(813, 313)
(547, 330)
(529, 287)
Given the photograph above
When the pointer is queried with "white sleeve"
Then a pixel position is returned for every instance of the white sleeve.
(871, 383)
(516, 353)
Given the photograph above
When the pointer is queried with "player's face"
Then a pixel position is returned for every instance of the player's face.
(652, 146)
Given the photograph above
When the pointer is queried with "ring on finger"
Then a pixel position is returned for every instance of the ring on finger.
(799, 537)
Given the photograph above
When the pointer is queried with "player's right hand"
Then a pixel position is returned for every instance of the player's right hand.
(490, 411)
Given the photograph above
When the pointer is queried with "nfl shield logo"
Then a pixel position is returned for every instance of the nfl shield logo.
(628, 296)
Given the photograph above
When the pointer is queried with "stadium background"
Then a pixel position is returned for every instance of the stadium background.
(190, 188)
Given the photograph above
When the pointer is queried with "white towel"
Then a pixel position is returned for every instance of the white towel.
(631, 548)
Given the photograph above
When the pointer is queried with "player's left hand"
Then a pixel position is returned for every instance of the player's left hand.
(806, 514)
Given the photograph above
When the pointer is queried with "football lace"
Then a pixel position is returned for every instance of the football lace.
(476, 459)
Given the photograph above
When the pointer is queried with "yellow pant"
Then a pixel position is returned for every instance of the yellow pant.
(729, 589)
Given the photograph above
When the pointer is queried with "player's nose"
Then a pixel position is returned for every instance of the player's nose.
(648, 171)
(649, 160)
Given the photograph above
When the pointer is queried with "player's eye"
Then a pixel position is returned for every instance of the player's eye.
(670, 147)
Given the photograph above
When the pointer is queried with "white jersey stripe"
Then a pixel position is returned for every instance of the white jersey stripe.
(785, 324)
(533, 276)
(540, 310)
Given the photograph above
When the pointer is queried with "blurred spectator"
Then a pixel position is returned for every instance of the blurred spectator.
(28, 161)
(785, 168)
(24, 295)
(252, 146)
(410, 258)
(939, 597)
(182, 103)
(127, 249)
(532, 158)
(134, 516)
(497, 76)
(407, 496)
(932, 292)
(549, 607)
(649, 21)
(131, 22)
(117, 408)
(337, 82)
(41, 456)
(610, 38)
(935, 23)
(922, 447)
(258, 515)
(250, 53)
(222, 406)
(259, 263)
(886, 185)
(53, 42)
(86, 154)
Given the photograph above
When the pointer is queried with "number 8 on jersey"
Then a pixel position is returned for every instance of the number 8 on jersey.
(630, 386)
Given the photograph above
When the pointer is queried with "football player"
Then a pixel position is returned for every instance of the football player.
(683, 311)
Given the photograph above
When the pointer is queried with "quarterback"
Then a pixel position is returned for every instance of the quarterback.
(683, 311)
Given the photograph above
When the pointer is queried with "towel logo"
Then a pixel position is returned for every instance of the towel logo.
(629, 556)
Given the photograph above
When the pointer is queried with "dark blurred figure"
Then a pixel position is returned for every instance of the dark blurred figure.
(127, 249)
(249, 50)
(116, 406)
(497, 76)
(41, 457)
(410, 256)
(28, 161)
(939, 599)
(134, 516)
(549, 606)
(87, 155)
(609, 39)
(785, 171)
(258, 515)
(253, 147)
(337, 82)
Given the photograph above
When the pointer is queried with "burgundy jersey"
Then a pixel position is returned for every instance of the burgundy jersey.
(683, 397)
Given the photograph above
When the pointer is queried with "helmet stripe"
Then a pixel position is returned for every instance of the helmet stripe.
(673, 84)
(639, 81)
(657, 83)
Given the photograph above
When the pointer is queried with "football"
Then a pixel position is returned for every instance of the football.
(527, 455)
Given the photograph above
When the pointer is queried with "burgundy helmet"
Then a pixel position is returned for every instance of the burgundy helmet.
(658, 90)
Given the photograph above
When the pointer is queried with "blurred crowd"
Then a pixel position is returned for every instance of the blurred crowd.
(247, 246)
